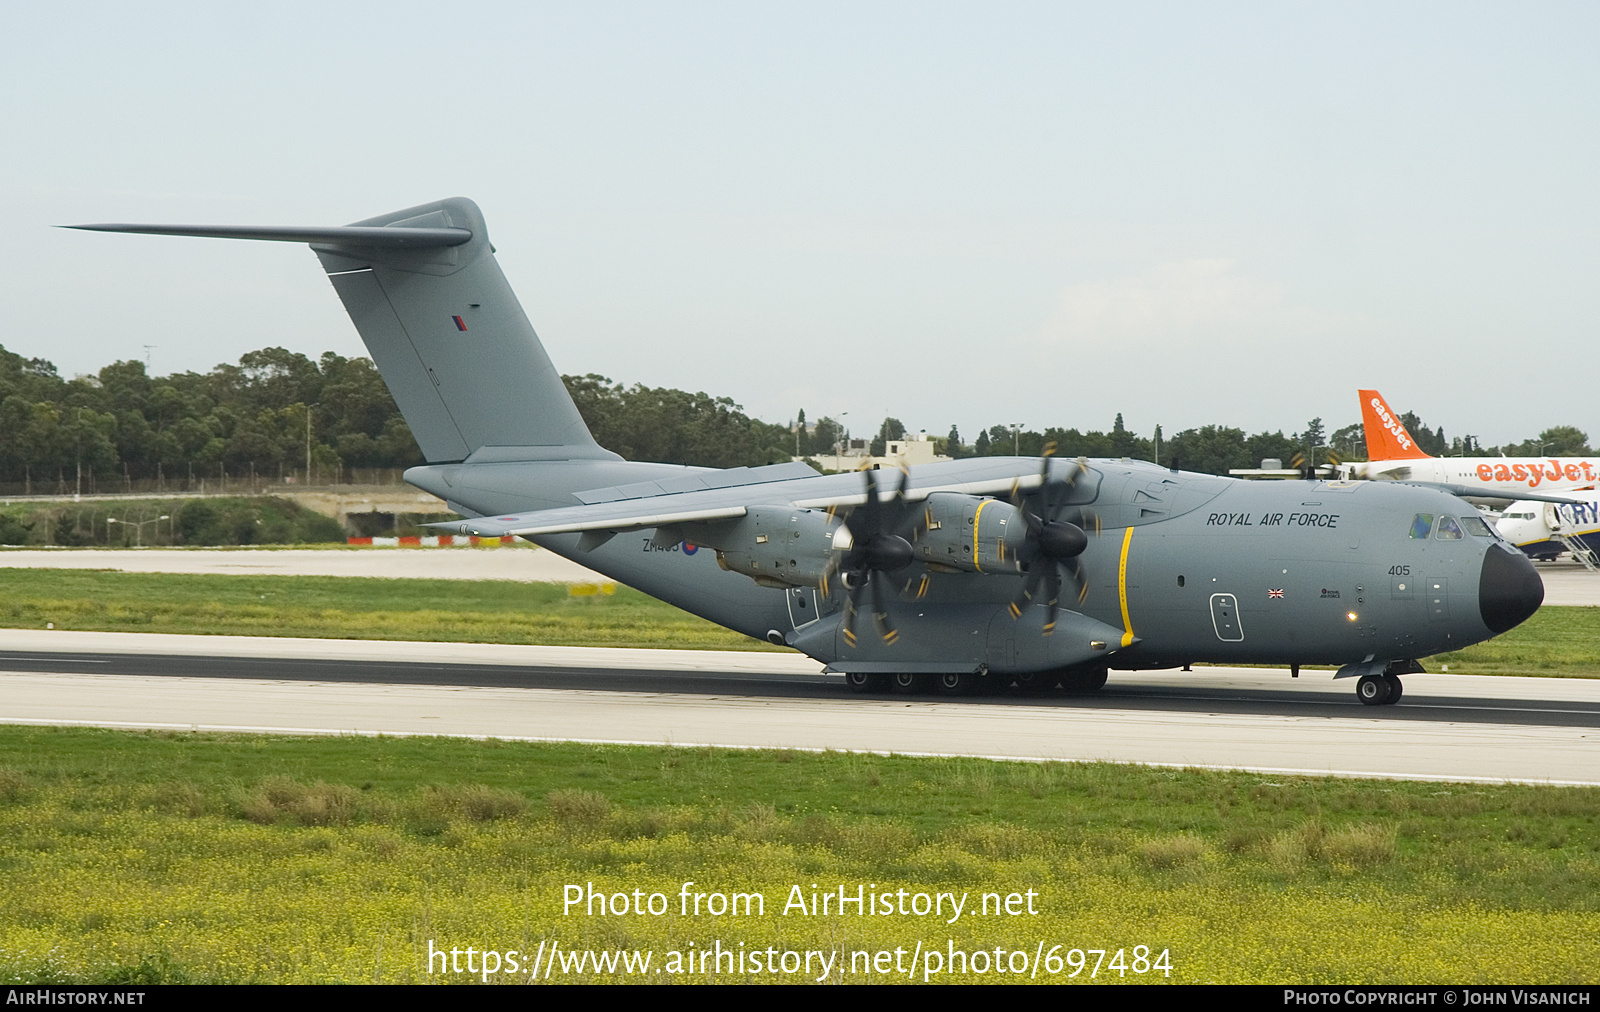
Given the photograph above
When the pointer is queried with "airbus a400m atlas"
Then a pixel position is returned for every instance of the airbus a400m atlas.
(995, 570)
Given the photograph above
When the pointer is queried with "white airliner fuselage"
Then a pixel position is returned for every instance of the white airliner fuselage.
(1393, 455)
(1546, 529)
(1496, 475)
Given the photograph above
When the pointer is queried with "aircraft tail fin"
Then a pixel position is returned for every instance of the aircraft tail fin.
(444, 328)
(1387, 438)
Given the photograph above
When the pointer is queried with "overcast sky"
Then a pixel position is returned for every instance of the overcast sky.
(971, 214)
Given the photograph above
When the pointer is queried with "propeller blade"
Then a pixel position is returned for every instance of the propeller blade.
(1029, 585)
(828, 573)
(849, 625)
(1053, 579)
(880, 615)
(1061, 492)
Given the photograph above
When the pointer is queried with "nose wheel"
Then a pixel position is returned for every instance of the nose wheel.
(1379, 690)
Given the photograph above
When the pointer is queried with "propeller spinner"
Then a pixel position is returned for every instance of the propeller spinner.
(1051, 543)
(877, 544)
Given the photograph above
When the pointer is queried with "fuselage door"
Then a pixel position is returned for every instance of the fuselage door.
(804, 606)
(1225, 618)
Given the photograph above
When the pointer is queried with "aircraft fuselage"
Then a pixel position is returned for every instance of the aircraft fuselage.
(1184, 568)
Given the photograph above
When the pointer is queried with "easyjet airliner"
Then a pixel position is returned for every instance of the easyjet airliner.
(1394, 456)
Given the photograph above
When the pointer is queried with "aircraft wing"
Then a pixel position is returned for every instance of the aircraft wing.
(643, 512)
(1469, 492)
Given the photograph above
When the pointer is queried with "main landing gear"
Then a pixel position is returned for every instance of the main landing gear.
(1079, 680)
(1379, 690)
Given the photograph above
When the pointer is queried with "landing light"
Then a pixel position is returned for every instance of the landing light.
(1350, 615)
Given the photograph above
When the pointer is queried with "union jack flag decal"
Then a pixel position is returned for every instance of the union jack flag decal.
(1274, 593)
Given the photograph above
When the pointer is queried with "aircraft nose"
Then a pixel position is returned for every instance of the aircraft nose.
(1509, 589)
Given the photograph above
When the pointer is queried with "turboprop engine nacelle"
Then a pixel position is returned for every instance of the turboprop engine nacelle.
(776, 546)
(964, 533)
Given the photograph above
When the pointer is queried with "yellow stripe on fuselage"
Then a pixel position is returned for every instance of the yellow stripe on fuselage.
(1122, 588)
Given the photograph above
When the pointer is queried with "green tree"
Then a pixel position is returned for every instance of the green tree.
(1556, 441)
(952, 444)
(1210, 449)
(892, 428)
(827, 434)
(1350, 442)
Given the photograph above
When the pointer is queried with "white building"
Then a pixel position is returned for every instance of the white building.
(911, 451)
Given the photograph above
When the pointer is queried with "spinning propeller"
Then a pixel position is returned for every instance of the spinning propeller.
(1051, 543)
(879, 544)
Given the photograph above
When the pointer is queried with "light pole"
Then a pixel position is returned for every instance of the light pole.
(308, 440)
(1016, 438)
(77, 492)
(138, 528)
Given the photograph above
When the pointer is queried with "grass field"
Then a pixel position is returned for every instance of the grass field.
(146, 857)
(342, 607)
(1557, 641)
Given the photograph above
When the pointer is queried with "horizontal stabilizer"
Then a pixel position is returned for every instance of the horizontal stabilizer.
(362, 236)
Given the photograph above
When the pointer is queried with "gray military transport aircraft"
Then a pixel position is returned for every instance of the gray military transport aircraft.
(995, 571)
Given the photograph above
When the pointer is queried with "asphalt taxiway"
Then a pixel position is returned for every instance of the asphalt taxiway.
(1448, 727)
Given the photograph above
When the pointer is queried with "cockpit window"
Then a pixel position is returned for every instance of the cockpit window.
(1448, 530)
(1421, 525)
(1476, 527)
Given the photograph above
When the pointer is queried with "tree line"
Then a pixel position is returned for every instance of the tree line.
(1210, 449)
(276, 411)
(277, 414)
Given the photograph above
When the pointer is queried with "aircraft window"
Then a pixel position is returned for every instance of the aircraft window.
(1421, 525)
(1448, 530)
(1476, 527)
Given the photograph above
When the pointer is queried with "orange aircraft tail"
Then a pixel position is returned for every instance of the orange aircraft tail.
(1387, 438)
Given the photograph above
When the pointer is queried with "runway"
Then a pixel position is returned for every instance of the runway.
(1568, 583)
(1448, 727)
